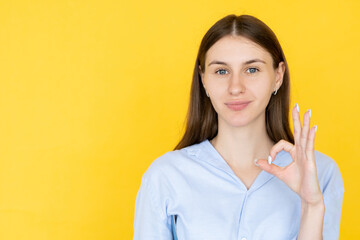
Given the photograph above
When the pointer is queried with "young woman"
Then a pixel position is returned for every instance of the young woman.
(239, 172)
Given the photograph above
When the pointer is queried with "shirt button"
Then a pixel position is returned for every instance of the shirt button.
(243, 238)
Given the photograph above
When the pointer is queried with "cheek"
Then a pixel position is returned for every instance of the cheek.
(216, 97)
(259, 87)
(217, 94)
(263, 95)
(217, 88)
(262, 87)
(261, 90)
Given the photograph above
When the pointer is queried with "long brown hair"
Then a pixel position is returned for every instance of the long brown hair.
(202, 120)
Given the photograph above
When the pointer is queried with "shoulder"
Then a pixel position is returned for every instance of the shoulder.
(325, 164)
(172, 163)
(328, 173)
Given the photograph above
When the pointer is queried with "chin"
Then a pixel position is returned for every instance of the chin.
(238, 121)
(238, 124)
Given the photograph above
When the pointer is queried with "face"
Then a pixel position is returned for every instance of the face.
(238, 70)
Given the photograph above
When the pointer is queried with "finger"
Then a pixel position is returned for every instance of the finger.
(310, 144)
(305, 129)
(270, 168)
(297, 124)
(282, 145)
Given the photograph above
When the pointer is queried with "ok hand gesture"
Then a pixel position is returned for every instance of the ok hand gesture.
(300, 175)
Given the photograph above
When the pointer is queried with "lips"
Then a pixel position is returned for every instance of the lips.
(237, 102)
(237, 105)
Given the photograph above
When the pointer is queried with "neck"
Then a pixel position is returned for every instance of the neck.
(241, 145)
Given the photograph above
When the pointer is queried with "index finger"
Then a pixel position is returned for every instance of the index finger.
(282, 145)
(296, 123)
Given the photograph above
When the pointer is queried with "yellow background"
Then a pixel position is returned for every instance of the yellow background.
(93, 91)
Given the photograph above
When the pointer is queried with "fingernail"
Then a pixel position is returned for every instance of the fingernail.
(269, 159)
(315, 128)
(297, 107)
(255, 161)
(309, 112)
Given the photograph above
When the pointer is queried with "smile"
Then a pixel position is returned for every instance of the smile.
(237, 106)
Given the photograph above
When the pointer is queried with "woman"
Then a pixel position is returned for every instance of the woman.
(239, 172)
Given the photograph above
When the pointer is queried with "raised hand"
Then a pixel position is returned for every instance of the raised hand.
(300, 175)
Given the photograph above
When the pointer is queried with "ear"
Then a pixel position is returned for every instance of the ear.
(280, 70)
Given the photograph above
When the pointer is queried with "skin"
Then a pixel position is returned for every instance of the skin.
(242, 133)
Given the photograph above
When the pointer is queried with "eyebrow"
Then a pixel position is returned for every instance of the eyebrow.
(245, 63)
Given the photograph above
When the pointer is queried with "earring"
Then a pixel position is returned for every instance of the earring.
(207, 94)
(275, 92)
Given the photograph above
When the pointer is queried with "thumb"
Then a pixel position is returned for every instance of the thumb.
(270, 168)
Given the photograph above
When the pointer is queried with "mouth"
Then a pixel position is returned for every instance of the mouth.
(237, 105)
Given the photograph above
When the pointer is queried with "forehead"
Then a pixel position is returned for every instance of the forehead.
(236, 49)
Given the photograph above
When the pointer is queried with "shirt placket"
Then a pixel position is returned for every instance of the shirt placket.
(243, 231)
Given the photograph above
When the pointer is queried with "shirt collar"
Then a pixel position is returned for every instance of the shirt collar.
(205, 151)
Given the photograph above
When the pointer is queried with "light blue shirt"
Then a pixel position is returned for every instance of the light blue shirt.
(210, 201)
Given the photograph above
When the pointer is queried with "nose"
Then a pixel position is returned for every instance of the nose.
(236, 84)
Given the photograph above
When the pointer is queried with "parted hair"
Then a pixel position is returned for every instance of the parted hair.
(202, 120)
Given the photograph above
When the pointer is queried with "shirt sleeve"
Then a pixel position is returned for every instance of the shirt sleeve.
(151, 221)
(333, 192)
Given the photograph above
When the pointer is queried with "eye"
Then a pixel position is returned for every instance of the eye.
(252, 70)
(221, 71)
